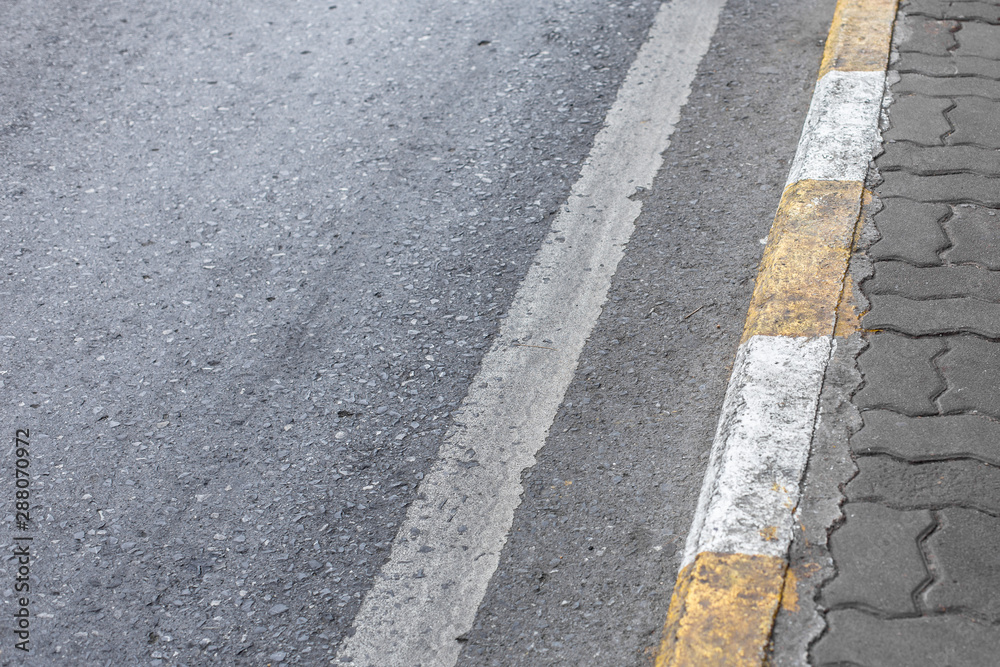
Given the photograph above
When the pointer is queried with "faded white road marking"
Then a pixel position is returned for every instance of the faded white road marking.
(760, 448)
(448, 547)
(841, 129)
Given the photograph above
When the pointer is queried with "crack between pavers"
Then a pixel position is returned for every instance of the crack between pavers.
(960, 21)
(960, 331)
(956, 75)
(945, 297)
(936, 397)
(929, 567)
(947, 202)
(960, 413)
(903, 507)
(944, 171)
(930, 459)
(951, 125)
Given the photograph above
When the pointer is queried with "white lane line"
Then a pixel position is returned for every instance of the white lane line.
(448, 547)
(841, 129)
(760, 448)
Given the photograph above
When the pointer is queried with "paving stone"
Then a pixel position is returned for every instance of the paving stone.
(927, 317)
(934, 282)
(975, 237)
(976, 121)
(946, 86)
(933, 160)
(854, 638)
(952, 65)
(960, 188)
(964, 554)
(979, 39)
(918, 119)
(928, 438)
(879, 563)
(924, 35)
(899, 374)
(910, 231)
(971, 370)
(983, 11)
(931, 485)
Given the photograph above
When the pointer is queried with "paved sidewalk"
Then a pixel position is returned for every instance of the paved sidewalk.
(915, 576)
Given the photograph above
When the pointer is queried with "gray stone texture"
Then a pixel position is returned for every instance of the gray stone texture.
(902, 485)
(975, 237)
(919, 34)
(936, 160)
(879, 563)
(947, 86)
(934, 438)
(922, 63)
(899, 374)
(926, 317)
(979, 39)
(919, 119)
(959, 188)
(917, 570)
(976, 121)
(957, 10)
(855, 638)
(963, 553)
(910, 231)
(971, 369)
(934, 282)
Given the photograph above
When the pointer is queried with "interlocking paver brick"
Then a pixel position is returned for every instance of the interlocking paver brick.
(899, 374)
(962, 9)
(879, 563)
(975, 234)
(931, 160)
(932, 316)
(934, 282)
(910, 231)
(947, 86)
(962, 188)
(971, 369)
(933, 485)
(928, 438)
(954, 65)
(915, 561)
(964, 555)
(919, 119)
(976, 121)
(855, 639)
(923, 35)
(978, 39)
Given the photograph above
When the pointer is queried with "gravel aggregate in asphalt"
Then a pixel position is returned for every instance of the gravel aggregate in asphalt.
(254, 254)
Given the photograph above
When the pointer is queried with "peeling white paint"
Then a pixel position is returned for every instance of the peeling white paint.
(448, 548)
(841, 129)
(761, 447)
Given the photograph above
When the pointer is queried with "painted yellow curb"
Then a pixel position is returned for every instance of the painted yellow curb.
(801, 275)
(722, 611)
(859, 40)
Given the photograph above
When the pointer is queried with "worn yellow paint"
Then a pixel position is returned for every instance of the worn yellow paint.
(790, 593)
(801, 274)
(859, 36)
(849, 310)
(722, 611)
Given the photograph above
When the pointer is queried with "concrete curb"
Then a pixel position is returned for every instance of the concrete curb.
(733, 572)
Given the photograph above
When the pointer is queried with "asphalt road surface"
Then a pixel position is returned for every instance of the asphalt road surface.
(254, 255)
